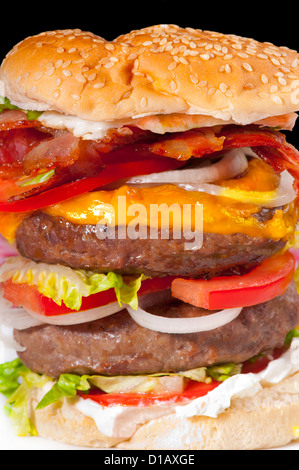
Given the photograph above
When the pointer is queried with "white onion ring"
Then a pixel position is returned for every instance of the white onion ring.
(285, 193)
(232, 164)
(76, 318)
(183, 325)
(21, 319)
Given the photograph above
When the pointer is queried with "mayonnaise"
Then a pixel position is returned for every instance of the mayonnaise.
(122, 421)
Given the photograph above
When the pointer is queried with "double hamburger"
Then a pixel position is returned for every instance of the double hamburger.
(133, 330)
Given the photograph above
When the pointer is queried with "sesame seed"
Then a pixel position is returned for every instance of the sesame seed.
(247, 67)
(194, 79)
(60, 50)
(263, 95)
(99, 85)
(109, 65)
(273, 89)
(92, 77)
(38, 75)
(76, 97)
(173, 85)
(275, 61)
(109, 47)
(277, 100)
(229, 94)
(282, 81)
(67, 73)
(72, 50)
(172, 66)
(242, 55)
(223, 87)
(184, 61)
(262, 56)
(264, 78)
(66, 64)
(205, 56)
(143, 102)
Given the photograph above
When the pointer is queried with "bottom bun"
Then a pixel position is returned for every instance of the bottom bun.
(263, 421)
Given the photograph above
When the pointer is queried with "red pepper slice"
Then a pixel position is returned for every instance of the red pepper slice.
(31, 299)
(109, 174)
(265, 282)
(192, 391)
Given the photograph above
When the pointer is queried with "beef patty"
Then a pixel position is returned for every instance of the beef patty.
(116, 345)
(55, 240)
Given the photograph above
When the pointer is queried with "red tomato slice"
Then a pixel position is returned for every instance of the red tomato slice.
(192, 391)
(31, 299)
(265, 282)
(111, 173)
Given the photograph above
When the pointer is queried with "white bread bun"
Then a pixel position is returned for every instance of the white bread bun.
(161, 69)
(263, 421)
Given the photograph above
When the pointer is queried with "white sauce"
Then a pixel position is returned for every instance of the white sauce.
(87, 130)
(122, 421)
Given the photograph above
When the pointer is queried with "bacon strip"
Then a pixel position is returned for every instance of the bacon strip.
(184, 145)
(26, 147)
(15, 119)
(270, 145)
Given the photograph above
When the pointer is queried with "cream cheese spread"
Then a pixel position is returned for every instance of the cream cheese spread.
(122, 421)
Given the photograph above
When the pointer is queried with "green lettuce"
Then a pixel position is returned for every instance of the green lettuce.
(66, 285)
(42, 178)
(16, 381)
(6, 104)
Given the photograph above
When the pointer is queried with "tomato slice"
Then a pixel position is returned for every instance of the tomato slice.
(193, 390)
(112, 172)
(265, 282)
(31, 299)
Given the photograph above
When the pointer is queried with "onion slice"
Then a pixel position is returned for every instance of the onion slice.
(284, 194)
(76, 318)
(21, 319)
(231, 165)
(183, 325)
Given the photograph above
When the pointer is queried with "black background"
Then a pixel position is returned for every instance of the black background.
(273, 22)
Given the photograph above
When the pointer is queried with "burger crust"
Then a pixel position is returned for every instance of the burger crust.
(161, 69)
(266, 420)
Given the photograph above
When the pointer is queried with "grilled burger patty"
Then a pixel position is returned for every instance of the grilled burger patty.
(116, 345)
(55, 240)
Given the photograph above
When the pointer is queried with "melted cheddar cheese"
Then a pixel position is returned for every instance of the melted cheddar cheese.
(220, 214)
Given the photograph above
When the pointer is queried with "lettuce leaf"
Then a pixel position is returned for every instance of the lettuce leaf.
(16, 380)
(67, 285)
(6, 104)
(42, 178)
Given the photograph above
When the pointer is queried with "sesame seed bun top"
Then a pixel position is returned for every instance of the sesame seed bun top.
(161, 69)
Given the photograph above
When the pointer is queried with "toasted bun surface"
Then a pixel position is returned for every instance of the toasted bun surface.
(263, 421)
(160, 69)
